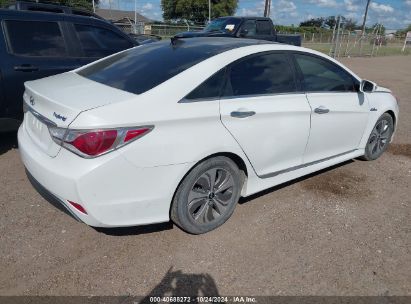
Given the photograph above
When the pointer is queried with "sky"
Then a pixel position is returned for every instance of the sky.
(394, 14)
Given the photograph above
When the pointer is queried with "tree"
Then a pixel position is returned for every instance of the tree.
(318, 22)
(378, 27)
(197, 10)
(4, 3)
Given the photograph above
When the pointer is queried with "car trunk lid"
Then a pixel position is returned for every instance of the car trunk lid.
(58, 100)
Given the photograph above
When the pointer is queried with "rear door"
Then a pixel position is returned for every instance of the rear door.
(263, 109)
(36, 49)
(339, 110)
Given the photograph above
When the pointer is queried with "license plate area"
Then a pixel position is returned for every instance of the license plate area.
(39, 133)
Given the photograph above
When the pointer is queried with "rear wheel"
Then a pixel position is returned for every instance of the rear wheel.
(380, 137)
(207, 196)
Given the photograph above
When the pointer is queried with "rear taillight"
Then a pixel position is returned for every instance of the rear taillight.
(93, 143)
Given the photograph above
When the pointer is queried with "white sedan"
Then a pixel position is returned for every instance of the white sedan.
(180, 130)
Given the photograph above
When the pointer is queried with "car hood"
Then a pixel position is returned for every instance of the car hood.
(61, 98)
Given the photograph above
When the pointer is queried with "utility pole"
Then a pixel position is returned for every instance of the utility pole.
(365, 17)
(266, 8)
(135, 16)
(209, 10)
(94, 7)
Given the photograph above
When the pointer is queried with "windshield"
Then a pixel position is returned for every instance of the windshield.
(223, 25)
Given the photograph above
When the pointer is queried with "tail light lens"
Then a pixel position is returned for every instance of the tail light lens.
(93, 143)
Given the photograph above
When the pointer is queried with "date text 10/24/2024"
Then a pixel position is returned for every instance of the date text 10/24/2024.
(202, 299)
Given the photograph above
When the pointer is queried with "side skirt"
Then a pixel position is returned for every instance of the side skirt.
(257, 184)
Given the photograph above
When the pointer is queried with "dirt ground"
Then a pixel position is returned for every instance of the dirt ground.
(343, 231)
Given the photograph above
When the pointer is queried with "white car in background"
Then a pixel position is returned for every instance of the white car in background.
(181, 130)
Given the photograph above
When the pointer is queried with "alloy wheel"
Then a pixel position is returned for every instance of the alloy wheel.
(379, 138)
(211, 195)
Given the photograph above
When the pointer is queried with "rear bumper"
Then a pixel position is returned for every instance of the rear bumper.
(112, 190)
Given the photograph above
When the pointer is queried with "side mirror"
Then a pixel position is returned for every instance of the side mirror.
(367, 86)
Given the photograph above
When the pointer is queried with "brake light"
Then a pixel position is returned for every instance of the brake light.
(93, 143)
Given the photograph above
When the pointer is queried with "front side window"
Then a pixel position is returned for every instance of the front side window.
(268, 73)
(223, 25)
(100, 42)
(320, 75)
(35, 38)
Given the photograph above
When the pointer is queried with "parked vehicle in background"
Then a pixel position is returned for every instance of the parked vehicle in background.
(45, 40)
(144, 38)
(181, 130)
(261, 28)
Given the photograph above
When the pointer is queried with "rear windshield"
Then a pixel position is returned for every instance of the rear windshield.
(142, 68)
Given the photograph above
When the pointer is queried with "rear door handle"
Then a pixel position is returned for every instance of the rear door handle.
(242, 114)
(321, 110)
(26, 68)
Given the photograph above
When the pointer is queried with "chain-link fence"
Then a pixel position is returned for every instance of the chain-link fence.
(167, 30)
(354, 44)
(337, 43)
(162, 30)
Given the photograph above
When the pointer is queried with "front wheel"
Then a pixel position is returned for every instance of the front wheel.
(207, 196)
(380, 137)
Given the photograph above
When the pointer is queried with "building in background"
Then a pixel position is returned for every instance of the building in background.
(125, 20)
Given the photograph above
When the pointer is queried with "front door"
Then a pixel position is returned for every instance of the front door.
(339, 110)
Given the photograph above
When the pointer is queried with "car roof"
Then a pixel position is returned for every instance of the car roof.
(244, 17)
(45, 15)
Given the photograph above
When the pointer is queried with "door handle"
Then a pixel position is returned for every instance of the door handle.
(321, 110)
(242, 114)
(26, 68)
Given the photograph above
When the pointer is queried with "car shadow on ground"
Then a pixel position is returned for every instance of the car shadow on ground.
(135, 230)
(8, 141)
(247, 199)
(177, 283)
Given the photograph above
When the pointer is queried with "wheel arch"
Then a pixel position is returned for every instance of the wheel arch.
(394, 118)
(233, 156)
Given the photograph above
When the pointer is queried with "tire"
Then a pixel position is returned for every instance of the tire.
(198, 208)
(380, 137)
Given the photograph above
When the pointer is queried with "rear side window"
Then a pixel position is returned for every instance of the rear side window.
(209, 89)
(268, 73)
(263, 27)
(35, 38)
(100, 42)
(320, 75)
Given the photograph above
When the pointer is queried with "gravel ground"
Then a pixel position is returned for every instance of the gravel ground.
(343, 231)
